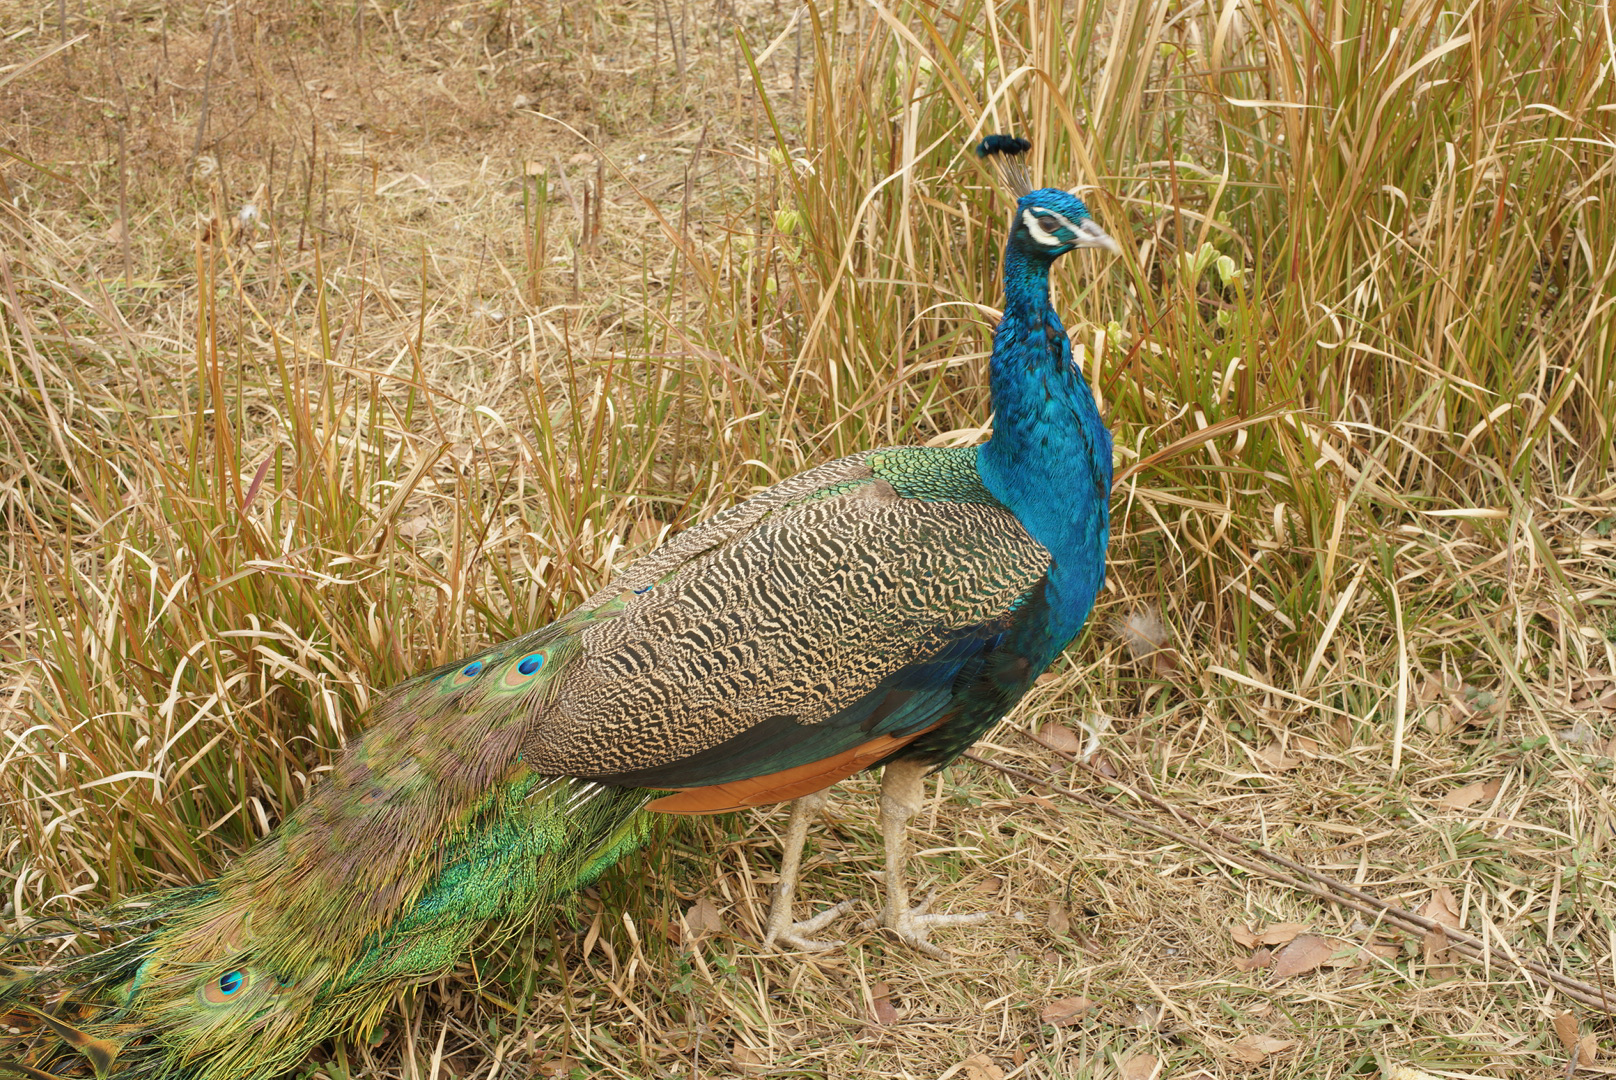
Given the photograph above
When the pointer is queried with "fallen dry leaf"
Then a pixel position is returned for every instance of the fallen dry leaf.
(1368, 954)
(1565, 1026)
(746, 1058)
(1101, 764)
(1442, 908)
(1255, 1049)
(412, 529)
(881, 1003)
(1280, 933)
(1058, 922)
(1434, 950)
(1059, 737)
(1141, 1067)
(1305, 953)
(1257, 960)
(988, 885)
(1341, 730)
(1277, 759)
(981, 1067)
(1459, 798)
(703, 918)
(1587, 1050)
(1066, 1011)
(1439, 721)
(1277, 934)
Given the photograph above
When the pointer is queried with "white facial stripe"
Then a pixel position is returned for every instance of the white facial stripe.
(1038, 232)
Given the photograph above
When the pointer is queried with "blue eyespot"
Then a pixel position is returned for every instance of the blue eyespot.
(642, 592)
(530, 663)
(463, 676)
(230, 982)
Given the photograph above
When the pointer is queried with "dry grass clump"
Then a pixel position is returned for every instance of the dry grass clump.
(339, 342)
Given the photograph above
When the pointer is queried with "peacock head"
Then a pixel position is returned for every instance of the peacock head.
(1049, 222)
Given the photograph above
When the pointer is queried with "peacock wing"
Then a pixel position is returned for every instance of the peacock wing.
(836, 624)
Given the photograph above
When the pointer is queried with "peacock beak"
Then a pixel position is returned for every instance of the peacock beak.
(1090, 235)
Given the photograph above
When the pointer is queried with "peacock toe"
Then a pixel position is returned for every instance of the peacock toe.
(799, 935)
(913, 926)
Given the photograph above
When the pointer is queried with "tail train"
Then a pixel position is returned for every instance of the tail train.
(231, 981)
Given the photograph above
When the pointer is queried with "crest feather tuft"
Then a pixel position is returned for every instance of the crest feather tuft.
(1005, 151)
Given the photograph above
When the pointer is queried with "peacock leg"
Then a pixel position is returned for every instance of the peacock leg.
(799, 935)
(903, 785)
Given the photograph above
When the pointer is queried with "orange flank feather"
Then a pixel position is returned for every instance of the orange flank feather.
(784, 785)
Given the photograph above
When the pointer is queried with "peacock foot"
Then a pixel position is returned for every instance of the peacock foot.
(800, 935)
(913, 926)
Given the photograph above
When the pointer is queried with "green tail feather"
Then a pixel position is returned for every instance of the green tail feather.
(232, 982)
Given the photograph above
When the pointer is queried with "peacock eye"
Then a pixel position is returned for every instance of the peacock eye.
(1047, 222)
(227, 986)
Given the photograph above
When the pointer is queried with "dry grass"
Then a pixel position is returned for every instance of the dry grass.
(470, 350)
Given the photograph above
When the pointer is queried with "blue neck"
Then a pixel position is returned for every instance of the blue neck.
(1049, 460)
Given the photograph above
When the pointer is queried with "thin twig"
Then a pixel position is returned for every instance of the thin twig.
(673, 39)
(123, 204)
(1309, 881)
(207, 88)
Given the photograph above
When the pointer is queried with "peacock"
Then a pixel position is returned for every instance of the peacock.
(884, 609)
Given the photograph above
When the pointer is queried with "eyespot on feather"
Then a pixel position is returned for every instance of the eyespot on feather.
(524, 671)
(464, 675)
(226, 988)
